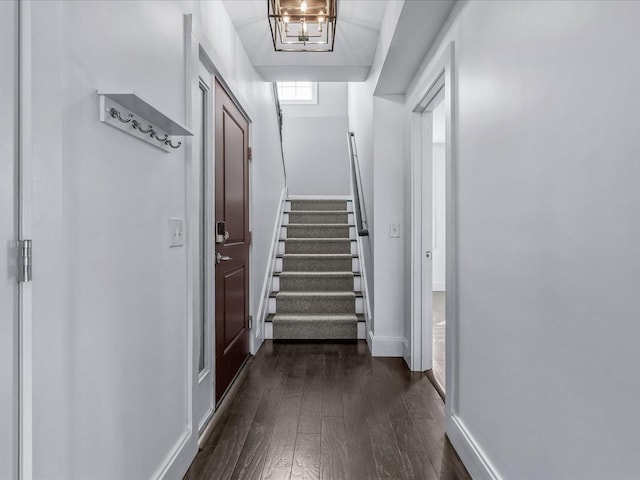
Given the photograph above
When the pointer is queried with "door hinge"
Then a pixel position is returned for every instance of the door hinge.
(250, 322)
(24, 261)
(249, 153)
(250, 238)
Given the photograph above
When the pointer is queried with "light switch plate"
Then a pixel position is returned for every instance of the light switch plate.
(176, 232)
(394, 231)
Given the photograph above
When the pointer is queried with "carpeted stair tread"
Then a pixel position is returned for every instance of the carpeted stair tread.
(309, 204)
(307, 281)
(316, 294)
(317, 274)
(314, 317)
(318, 245)
(317, 230)
(317, 255)
(320, 212)
(303, 217)
(320, 225)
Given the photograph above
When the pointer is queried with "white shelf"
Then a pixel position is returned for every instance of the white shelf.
(145, 114)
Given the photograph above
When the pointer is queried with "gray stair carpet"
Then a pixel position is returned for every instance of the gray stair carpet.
(316, 298)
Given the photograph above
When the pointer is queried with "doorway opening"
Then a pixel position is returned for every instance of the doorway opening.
(438, 241)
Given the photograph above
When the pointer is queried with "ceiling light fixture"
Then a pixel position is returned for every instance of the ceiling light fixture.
(302, 25)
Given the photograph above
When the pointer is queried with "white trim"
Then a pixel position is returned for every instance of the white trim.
(25, 205)
(268, 331)
(196, 176)
(439, 287)
(364, 285)
(319, 197)
(473, 457)
(383, 346)
(362, 331)
(171, 468)
(440, 76)
(260, 332)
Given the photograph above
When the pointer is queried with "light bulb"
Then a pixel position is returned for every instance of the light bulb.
(321, 17)
(304, 27)
(285, 17)
(303, 6)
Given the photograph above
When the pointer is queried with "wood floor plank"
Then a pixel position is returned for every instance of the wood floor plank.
(361, 462)
(306, 459)
(311, 412)
(333, 449)
(283, 440)
(254, 451)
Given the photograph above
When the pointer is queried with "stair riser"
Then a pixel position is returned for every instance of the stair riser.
(315, 218)
(315, 305)
(314, 331)
(355, 286)
(310, 247)
(274, 305)
(318, 205)
(317, 232)
(316, 284)
(318, 265)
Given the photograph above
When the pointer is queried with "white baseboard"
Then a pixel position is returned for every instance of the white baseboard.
(176, 464)
(439, 286)
(472, 456)
(382, 346)
(406, 351)
(319, 197)
(268, 331)
(263, 309)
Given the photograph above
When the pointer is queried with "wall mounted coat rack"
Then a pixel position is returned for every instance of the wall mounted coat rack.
(132, 114)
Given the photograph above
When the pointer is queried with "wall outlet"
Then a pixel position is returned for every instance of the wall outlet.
(394, 231)
(176, 232)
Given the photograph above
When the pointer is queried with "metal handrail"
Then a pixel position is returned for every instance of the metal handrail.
(356, 182)
(276, 98)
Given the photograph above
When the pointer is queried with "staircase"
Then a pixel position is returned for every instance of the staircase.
(316, 287)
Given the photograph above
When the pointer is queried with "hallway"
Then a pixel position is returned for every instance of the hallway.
(329, 411)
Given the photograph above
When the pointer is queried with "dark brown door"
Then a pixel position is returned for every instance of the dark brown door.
(232, 264)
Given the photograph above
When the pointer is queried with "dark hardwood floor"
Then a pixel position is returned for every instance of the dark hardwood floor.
(329, 411)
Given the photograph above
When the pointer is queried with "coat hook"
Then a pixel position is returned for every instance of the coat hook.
(116, 114)
(155, 134)
(138, 126)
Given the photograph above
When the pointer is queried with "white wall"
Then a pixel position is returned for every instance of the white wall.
(548, 228)
(389, 176)
(315, 143)
(111, 330)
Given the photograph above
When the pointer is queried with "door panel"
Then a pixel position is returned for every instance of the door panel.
(232, 208)
(8, 237)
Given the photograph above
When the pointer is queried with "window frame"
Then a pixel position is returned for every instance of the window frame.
(303, 101)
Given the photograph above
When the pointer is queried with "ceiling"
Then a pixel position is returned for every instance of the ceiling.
(356, 40)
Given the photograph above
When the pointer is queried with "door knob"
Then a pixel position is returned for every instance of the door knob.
(222, 258)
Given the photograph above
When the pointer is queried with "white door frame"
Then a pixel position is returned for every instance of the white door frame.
(200, 182)
(440, 77)
(25, 231)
